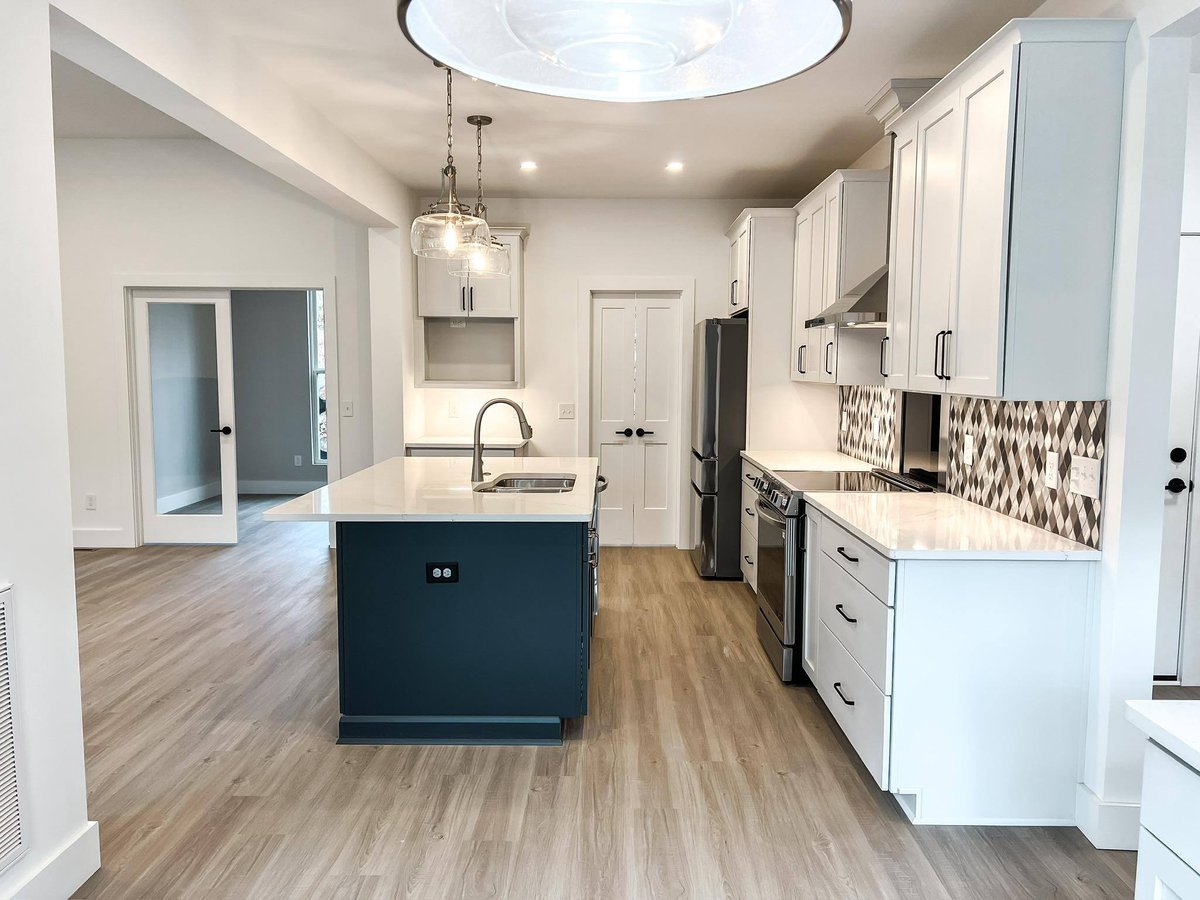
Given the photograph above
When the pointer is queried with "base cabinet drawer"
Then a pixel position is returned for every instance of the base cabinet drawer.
(1161, 875)
(750, 559)
(858, 619)
(872, 570)
(1171, 804)
(860, 708)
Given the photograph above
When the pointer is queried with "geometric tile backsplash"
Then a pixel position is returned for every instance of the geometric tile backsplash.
(1011, 442)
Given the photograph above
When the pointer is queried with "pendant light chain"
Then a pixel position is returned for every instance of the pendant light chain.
(479, 163)
(449, 117)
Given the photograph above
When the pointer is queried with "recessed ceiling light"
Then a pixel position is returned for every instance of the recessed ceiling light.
(627, 51)
(528, 166)
(674, 166)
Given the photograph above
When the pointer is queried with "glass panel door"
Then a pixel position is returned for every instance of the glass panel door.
(187, 450)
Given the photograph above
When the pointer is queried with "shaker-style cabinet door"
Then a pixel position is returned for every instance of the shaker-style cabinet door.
(438, 292)
(894, 355)
(939, 167)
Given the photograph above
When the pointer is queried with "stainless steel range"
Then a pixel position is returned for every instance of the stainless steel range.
(781, 527)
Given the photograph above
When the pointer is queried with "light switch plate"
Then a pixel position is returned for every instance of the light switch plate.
(458, 323)
(845, 421)
(1085, 476)
(89, 501)
(347, 408)
(968, 450)
(1051, 474)
(566, 410)
(297, 460)
(875, 427)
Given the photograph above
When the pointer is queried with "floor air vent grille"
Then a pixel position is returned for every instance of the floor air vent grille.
(11, 842)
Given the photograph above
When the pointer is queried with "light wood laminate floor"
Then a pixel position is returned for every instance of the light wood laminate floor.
(210, 701)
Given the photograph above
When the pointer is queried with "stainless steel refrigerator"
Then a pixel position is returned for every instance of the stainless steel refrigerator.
(719, 436)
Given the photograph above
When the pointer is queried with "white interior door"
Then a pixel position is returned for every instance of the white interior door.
(183, 346)
(636, 357)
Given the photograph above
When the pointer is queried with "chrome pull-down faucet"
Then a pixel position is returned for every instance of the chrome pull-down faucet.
(477, 460)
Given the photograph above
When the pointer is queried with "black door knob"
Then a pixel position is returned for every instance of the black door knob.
(628, 432)
(1178, 455)
(642, 432)
(1177, 486)
(225, 430)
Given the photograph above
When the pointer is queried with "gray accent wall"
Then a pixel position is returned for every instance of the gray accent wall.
(271, 393)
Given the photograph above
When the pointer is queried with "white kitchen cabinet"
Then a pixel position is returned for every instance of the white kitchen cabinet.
(926, 662)
(739, 265)
(440, 294)
(1004, 215)
(840, 250)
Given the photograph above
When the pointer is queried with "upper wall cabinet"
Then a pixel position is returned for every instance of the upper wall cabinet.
(459, 296)
(1003, 214)
(840, 249)
(739, 264)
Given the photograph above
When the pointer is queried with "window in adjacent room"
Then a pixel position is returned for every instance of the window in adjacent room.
(316, 377)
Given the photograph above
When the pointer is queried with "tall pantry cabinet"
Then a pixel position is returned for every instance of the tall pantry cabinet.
(1004, 217)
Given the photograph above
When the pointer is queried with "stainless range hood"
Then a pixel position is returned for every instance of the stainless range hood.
(863, 305)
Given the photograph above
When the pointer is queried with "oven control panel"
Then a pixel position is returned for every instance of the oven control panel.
(773, 492)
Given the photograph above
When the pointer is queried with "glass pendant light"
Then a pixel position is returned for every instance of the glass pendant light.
(485, 257)
(627, 50)
(447, 227)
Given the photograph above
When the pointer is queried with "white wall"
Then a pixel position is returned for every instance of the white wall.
(163, 211)
(568, 240)
(271, 386)
(35, 516)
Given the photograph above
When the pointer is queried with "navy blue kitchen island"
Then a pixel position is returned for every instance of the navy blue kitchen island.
(463, 618)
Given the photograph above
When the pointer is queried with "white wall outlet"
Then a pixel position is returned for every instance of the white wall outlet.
(1085, 476)
(845, 421)
(89, 501)
(968, 450)
(875, 427)
(347, 409)
(458, 323)
(566, 410)
(297, 460)
(1051, 474)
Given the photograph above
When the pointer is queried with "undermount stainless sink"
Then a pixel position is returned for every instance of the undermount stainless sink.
(528, 483)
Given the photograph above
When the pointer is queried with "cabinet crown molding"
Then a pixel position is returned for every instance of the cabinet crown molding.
(897, 95)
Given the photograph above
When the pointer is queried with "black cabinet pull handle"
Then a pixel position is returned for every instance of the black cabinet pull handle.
(937, 355)
(799, 353)
(828, 347)
(837, 686)
(803, 359)
(628, 432)
(471, 298)
(882, 354)
(1177, 486)
(463, 295)
(733, 292)
(749, 511)
(748, 560)
(842, 612)
(225, 430)
(642, 432)
(842, 551)
(945, 351)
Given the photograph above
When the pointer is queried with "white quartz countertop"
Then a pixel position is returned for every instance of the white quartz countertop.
(1172, 724)
(468, 442)
(805, 461)
(941, 526)
(438, 489)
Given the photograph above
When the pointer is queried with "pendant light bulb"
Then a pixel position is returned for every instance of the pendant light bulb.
(447, 226)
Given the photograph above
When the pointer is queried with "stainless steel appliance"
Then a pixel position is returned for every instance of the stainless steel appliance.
(719, 436)
(594, 551)
(781, 529)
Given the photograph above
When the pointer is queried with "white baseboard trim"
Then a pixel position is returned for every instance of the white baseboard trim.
(1108, 825)
(102, 538)
(187, 498)
(62, 874)
(278, 487)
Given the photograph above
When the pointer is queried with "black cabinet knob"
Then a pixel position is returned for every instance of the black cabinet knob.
(1178, 455)
(628, 432)
(225, 430)
(1177, 486)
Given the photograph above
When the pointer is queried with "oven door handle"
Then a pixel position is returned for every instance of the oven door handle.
(771, 514)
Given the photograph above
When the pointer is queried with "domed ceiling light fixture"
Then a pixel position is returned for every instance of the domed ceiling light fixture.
(486, 257)
(445, 229)
(627, 50)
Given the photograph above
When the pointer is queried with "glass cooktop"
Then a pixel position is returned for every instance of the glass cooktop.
(843, 481)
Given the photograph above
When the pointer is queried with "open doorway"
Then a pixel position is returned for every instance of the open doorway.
(231, 399)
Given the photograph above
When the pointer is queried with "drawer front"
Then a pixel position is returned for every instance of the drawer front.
(1160, 874)
(869, 568)
(749, 514)
(861, 709)
(1170, 800)
(749, 473)
(750, 559)
(868, 638)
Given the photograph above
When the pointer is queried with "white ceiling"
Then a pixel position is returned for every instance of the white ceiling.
(86, 106)
(350, 60)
